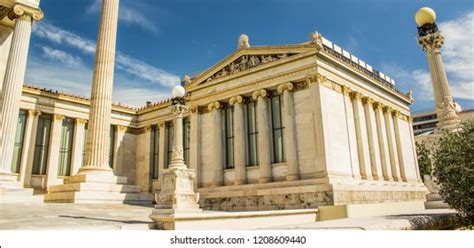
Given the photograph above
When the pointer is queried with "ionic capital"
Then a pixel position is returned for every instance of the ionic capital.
(355, 96)
(387, 109)
(147, 128)
(396, 113)
(285, 86)
(316, 78)
(80, 121)
(345, 90)
(33, 113)
(236, 100)
(121, 129)
(259, 93)
(367, 100)
(194, 109)
(162, 125)
(377, 105)
(23, 11)
(58, 117)
(214, 105)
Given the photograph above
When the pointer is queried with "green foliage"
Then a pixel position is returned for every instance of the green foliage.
(454, 170)
(424, 161)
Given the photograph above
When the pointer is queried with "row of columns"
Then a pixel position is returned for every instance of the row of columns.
(381, 155)
(29, 146)
(264, 137)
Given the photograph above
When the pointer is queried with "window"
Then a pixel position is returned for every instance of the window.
(155, 149)
(85, 145)
(65, 147)
(19, 137)
(111, 146)
(186, 139)
(169, 143)
(252, 134)
(277, 130)
(42, 144)
(229, 137)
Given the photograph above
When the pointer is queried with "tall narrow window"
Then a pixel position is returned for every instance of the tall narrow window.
(186, 139)
(85, 145)
(169, 142)
(65, 147)
(111, 146)
(42, 144)
(252, 134)
(155, 149)
(277, 128)
(229, 137)
(19, 137)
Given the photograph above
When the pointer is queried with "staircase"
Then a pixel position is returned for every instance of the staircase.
(11, 191)
(87, 188)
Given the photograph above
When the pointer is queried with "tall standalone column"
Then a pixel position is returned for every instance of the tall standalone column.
(290, 144)
(239, 140)
(13, 81)
(101, 97)
(264, 145)
(431, 41)
(217, 167)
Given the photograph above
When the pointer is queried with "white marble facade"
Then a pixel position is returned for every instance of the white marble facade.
(351, 137)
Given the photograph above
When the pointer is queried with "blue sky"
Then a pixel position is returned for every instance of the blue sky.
(161, 40)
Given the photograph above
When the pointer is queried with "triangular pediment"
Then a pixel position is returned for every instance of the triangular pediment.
(244, 60)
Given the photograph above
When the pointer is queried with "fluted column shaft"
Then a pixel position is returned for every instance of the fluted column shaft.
(177, 154)
(357, 108)
(239, 140)
(264, 145)
(386, 171)
(28, 145)
(398, 141)
(370, 135)
(391, 143)
(11, 90)
(101, 98)
(290, 145)
(217, 161)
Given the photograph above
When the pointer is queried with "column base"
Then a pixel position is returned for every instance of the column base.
(292, 177)
(97, 187)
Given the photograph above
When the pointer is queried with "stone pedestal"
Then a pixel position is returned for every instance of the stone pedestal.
(176, 197)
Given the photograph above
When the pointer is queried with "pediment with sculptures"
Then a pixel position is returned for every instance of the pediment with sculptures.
(246, 62)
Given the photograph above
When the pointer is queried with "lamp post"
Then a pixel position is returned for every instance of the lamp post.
(431, 41)
(177, 194)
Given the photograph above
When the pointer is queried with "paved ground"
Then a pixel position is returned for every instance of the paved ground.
(129, 217)
(73, 217)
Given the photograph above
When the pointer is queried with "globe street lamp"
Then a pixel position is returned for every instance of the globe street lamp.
(431, 41)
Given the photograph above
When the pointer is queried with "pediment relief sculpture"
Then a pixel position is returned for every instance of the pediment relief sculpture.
(246, 62)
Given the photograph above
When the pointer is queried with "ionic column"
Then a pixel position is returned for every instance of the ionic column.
(381, 138)
(370, 135)
(77, 145)
(290, 145)
(11, 89)
(217, 148)
(431, 40)
(392, 148)
(143, 178)
(401, 161)
(362, 149)
(28, 148)
(194, 147)
(264, 145)
(177, 154)
(53, 153)
(162, 149)
(101, 97)
(239, 140)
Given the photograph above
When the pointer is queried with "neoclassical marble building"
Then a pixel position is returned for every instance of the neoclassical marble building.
(268, 127)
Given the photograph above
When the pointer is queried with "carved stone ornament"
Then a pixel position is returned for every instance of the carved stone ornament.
(243, 41)
(236, 100)
(431, 42)
(259, 93)
(286, 86)
(246, 62)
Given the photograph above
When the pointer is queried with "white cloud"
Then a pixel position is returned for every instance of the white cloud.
(124, 62)
(131, 12)
(457, 52)
(61, 56)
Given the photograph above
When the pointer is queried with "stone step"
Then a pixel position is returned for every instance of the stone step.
(91, 186)
(95, 178)
(10, 184)
(98, 197)
(433, 197)
(436, 205)
(18, 196)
